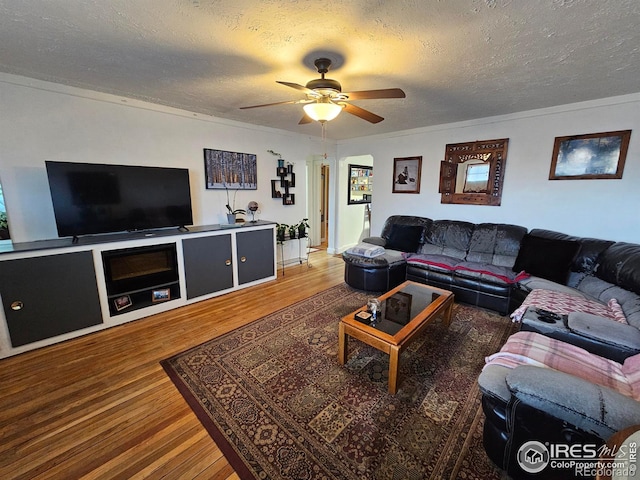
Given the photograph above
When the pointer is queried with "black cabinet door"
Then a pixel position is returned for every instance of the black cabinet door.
(47, 296)
(255, 255)
(208, 264)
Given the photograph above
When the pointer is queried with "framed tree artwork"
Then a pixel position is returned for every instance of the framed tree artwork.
(230, 170)
(591, 156)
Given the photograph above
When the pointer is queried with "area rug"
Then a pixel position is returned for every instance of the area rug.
(274, 398)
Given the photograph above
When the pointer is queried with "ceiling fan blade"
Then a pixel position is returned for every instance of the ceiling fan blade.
(288, 102)
(362, 113)
(305, 119)
(297, 86)
(384, 93)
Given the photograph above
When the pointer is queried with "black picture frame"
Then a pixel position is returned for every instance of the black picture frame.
(230, 170)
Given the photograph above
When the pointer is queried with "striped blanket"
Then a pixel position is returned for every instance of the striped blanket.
(561, 303)
(366, 250)
(529, 348)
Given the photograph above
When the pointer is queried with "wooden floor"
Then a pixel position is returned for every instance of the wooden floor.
(101, 406)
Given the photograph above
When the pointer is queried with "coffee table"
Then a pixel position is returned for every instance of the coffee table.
(404, 312)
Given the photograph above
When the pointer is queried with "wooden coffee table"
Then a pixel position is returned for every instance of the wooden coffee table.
(404, 312)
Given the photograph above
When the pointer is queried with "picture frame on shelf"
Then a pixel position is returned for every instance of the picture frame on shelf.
(289, 199)
(230, 170)
(122, 302)
(406, 174)
(594, 156)
(160, 295)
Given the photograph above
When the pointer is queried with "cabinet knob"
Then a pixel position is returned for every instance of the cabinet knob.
(227, 262)
(17, 305)
(243, 259)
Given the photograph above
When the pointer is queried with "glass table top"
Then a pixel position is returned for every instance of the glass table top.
(397, 309)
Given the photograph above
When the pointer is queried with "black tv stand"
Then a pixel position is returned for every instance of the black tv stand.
(75, 239)
(182, 228)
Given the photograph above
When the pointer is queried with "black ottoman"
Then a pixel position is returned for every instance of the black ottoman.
(377, 274)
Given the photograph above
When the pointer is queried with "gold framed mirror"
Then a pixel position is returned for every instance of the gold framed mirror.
(472, 173)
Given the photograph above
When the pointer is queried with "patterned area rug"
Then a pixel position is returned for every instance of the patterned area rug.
(278, 404)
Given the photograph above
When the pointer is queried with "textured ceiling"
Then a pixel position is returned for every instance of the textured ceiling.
(455, 59)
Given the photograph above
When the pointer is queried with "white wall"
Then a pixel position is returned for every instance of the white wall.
(598, 208)
(44, 121)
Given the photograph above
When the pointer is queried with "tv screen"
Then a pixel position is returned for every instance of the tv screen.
(93, 198)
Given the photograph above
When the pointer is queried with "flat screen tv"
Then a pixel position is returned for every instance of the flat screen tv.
(90, 198)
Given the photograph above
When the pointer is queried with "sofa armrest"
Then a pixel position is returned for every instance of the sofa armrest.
(375, 241)
(605, 330)
(588, 406)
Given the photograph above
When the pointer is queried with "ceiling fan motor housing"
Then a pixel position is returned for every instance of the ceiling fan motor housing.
(324, 85)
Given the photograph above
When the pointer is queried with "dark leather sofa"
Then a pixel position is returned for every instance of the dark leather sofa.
(528, 402)
(474, 261)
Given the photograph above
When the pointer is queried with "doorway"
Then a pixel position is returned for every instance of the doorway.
(324, 205)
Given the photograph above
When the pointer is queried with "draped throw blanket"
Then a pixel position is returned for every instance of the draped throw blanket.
(529, 348)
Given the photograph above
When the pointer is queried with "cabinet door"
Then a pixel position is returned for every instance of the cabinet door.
(255, 255)
(47, 296)
(207, 264)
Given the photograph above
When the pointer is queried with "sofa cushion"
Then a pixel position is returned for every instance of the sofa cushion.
(604, 329)
(448, 237)
(620, 264)
(605, 291)
(495, 243)
(404, 238)
(590, 250)
(404, 220)
(546, 258)
(483, 271)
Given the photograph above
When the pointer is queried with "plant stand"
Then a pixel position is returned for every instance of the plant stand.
(304, 247)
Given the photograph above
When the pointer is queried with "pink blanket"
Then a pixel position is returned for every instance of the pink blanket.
(528, 348)
(562, 304)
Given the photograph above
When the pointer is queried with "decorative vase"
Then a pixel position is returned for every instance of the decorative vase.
(280, 162)
(289, 168)
(231, 218)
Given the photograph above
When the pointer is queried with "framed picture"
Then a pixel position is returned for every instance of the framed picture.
(230, 170)
(289, 199)
(122, 302)
(406, 174)
(160, 295)
(592, 156)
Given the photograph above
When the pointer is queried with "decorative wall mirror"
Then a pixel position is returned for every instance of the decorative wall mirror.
(360, 184)
(472, 173)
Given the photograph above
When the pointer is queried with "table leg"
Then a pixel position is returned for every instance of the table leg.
(394, 358)
(448, 313)
(343, 344)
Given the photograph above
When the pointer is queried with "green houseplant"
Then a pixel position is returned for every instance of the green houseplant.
(302, 227)
(231, 210)
(292, 231)
(281, 230)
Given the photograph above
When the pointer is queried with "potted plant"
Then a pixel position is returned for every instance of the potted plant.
(279, 155)
(231, 211)
(281, 230)
(302, 228)
(292, 231)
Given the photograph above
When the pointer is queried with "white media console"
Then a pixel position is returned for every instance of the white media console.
(55, 290)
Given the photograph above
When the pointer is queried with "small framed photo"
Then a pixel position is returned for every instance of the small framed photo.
(161, 295)
(122, 302)
(406, 174)
(592, 156)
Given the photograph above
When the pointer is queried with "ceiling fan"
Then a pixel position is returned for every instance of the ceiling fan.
(325, 100)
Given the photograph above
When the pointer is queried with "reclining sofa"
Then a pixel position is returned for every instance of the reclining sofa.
(503, 267)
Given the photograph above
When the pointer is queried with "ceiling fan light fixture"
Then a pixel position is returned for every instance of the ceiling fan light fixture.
(322, 111)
